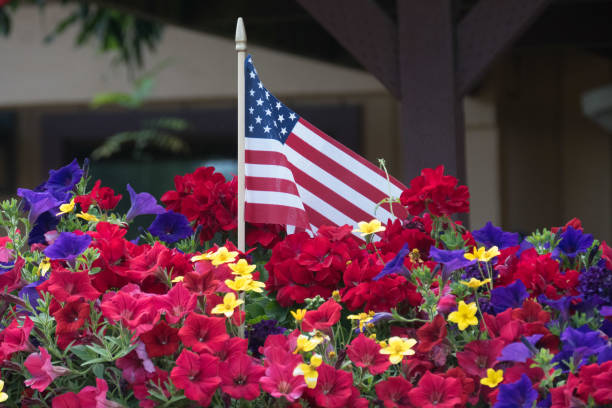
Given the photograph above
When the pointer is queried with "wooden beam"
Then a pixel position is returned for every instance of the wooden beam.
(365, 31)
(431, 113)
(489, 29)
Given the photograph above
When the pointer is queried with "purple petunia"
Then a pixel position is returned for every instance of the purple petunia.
(30, 293)
(573, 242)
(490, 235)
(519, 394)
(38, 202)
(396, 265)
(578, 345)
(64, 179)
(171, 227)
(510, 296)
(452, 260)
(142, 203)
(67, 246)
(518, 352)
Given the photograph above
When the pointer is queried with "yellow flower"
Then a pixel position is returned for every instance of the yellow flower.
(239, 284)
(299, 314)
(493, 378)
(245, 284)
(482, 255)
(44, 266)
(362, 317)
(87, 217)
(178, 279)
(3, 395)
(255, 286)
(475, 283)
(309, 371)
(336, 295)
(415, 256)
(222, 255)
(242, 268)
(398, 348)
(367, 228)
(206, 256)
(320, 337)
(305, 344)
(465, 315)
(66, 208)
(228, 305)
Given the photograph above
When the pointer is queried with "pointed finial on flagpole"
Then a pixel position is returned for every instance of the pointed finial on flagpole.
(241, 37)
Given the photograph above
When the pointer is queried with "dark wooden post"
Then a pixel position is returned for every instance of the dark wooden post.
(431, 111)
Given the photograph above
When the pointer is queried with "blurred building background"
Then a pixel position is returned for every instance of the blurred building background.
(533, 158)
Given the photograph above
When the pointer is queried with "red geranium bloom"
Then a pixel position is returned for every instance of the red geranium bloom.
(43, 373)
(394, 392)
(323, 318)
(71, 317)
(334, 387)
(162, 340)
(434, 391)
(240, 377)
(479, 355)
(531, 312)
(201, 333)
(279, 381)
(15, 338)
(67, 286)
(104, 197)
(365, 353)
(197, 375)
(431, 334)
(434, 191)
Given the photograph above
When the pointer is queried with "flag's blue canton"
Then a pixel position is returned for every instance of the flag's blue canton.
(266, 116)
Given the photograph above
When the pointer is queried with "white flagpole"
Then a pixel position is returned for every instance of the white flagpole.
(241, 48)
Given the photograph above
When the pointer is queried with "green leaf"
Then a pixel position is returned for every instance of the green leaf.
(98, 370)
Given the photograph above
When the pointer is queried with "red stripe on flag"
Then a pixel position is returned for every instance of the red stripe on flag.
(270, 184)
(265, 157)
(275, 214)
(350, 152)
(340, 172)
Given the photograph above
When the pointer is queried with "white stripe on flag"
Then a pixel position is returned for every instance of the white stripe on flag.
(336, 185)
(320, 206)
(273, 197)
(371, 177)
(269, 171)
(266, 145)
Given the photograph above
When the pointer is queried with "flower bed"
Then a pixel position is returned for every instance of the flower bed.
(419, 313)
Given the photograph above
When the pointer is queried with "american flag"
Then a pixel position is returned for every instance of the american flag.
(296, 175)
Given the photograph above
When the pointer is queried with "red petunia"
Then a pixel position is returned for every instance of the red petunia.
(15, 338)
(88, 397)
(11, 279)
(323, 318)
(177, 303)
(393, 392)
(437, 193)
(230, 348)
(162, 340)
(479, 355)
(279, 382)
(365, 353)
(431, 334)
(203, 333)
(435, 391)
(67, 286)
(135, 310)
(197, 375)
(334, 387)
(71, 317)
(41, 370)
(240, 377)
